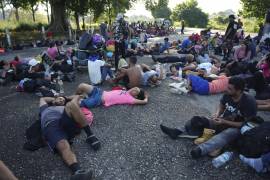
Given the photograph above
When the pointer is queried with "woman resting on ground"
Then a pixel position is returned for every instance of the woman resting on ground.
(96, 97)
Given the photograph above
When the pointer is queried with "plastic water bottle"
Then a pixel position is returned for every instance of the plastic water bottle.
(180, 74)
(222, 159)
(61, 85)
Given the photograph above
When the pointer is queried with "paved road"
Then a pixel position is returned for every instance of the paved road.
(133, 146)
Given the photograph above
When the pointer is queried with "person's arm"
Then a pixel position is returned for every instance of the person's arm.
(5, 173)
(220, 110)
(235, 55)
(142, 102)
(144, 66)
(45, 101)
(189, 67)
(221, 121)
(247, 58)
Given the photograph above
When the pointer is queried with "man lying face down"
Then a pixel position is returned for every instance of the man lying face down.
(96, 97)
(61, 120)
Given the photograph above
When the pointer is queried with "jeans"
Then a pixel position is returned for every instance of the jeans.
(220, 140)
(93, 100)
(106, 71)
(266, 160)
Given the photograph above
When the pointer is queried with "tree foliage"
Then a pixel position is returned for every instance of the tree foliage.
(191, 14)
(159, 8)
(255, 8)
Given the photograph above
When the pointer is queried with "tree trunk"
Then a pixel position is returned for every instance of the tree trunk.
(59, 22)
(17, 14)
(47, 10)
(33, 14)
(3, 10)
(83, 26)
(77, 19)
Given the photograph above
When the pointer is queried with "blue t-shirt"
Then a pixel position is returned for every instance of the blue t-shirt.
(186, 43)
(199, 85)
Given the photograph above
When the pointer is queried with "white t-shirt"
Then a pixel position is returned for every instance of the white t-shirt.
(94, 71)
(206, 66)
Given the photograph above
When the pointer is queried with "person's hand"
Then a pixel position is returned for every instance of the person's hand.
(218, 121)
(214, 116)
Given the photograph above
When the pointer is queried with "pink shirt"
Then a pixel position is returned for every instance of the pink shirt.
(117, 97)
(266, 70)
(52, 52)
(219, 85)
(240, 53)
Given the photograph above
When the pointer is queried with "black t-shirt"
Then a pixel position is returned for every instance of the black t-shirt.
(232, 27)
(245, 108)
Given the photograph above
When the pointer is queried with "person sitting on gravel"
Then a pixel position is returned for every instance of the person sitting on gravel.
(235, 107)
(130, 77)
(96, 97)
(60, 122)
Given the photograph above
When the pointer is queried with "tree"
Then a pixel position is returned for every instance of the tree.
(191, 14)
(3, 4)
(33, 5)
(59, 21)
(255, 8)
(159, 9)
(18, 4)
(47, 3)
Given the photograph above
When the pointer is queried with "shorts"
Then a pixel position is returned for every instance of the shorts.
(63, 129)
(199, 85)
(94, 99)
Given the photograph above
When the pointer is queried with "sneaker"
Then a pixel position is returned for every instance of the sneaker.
(171, 132)
(196, 153)
(93, 142)
(82, 175)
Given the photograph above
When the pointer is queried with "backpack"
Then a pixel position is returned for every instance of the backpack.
(29, 86)
(34, 137)
(255, 142)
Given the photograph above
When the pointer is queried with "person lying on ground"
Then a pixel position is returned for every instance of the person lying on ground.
(61, 120)
(202, 86)
(152, 77)
(96, 97)
(165, 46)
(130, 77)
(5, 173)
(263, 105)
(235, 107)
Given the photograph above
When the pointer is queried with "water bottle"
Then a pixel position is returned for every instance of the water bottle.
(222, 159)
(180, 74)
(61, 87)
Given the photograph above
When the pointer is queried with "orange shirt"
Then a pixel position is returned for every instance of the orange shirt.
(219, 85)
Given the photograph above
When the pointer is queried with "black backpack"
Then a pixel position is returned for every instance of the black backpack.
(255, 142)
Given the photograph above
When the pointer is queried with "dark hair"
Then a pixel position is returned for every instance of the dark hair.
(133, 59)
(141, 95)
(238, 83)
(173, 65)
(52, 44)
(166, 39)
(16, 58)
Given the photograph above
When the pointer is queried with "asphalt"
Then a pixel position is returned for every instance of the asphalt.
(133, 147)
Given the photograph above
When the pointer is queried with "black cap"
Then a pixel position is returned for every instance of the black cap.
(231, 16)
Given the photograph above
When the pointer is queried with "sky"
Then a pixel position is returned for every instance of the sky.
(208, 6)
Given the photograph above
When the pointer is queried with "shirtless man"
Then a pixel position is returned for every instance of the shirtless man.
(131, 76)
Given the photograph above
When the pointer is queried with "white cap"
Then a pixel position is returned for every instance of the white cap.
(33, 62)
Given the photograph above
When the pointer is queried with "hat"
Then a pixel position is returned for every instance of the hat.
(231, 16)
(196, 125)
(33, 62)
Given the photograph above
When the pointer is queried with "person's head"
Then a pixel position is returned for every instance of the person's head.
(190, 58)
(166, 39)
(137, 93)
(231, 18)
(60, 101)
(236, 86)
(16, 58)
(132, 60)
(52, 44)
